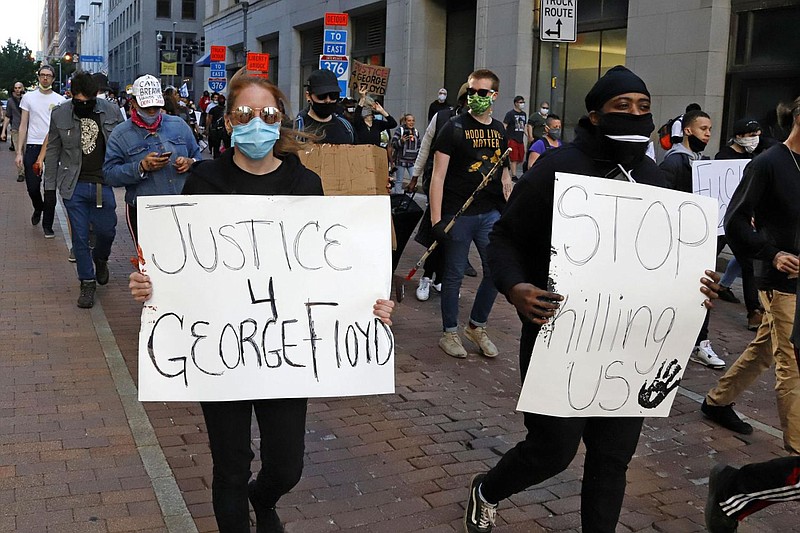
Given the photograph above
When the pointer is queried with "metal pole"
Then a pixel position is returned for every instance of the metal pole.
(245, 7)
(172, 76)
(553, 75)
(59, 75)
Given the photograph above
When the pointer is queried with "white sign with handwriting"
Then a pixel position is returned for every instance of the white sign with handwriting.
(264, 297)
(718, 179)
(628, 259)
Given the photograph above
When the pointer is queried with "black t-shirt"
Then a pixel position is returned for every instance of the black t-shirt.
(516, 121)
(216, 113)
(336, 131)
(93, 149)
(473, 150)
(223, 176)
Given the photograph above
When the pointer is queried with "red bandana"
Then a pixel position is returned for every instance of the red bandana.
(136, 119)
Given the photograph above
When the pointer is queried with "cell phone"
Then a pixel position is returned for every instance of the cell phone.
(165, 154)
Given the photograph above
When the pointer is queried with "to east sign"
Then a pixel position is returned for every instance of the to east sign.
(335, 36)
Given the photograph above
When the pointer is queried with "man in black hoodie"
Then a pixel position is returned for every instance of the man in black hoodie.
(611, 143)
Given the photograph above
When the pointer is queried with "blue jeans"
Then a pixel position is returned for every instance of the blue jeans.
(83, 211)
(467, 229)
(399, 176)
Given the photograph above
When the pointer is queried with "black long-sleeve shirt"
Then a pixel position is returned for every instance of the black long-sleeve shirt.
(770, 193)
(520, 242)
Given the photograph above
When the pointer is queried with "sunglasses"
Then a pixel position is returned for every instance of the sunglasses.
(327, 96)
(480, 92)
(244, 114)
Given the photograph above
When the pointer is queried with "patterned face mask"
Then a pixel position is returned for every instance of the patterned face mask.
(479, 104)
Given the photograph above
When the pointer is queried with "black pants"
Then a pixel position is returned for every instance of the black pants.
(758, 485)
(47, 204)
(281, 424)
(549, 448)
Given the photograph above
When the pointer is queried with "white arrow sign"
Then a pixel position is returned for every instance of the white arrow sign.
(558, 20)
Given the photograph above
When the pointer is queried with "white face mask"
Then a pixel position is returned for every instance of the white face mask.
(544, 111)
(442, 98)
(521, 105)
(748, 143)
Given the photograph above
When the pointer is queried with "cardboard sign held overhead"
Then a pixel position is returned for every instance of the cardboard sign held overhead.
(373, 79)
(257, 62)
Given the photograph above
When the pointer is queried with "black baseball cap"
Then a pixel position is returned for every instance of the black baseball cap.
(323, 82)
(745, 125)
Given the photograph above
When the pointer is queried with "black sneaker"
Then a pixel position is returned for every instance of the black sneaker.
(470, 271)
(716, 520)
(86, 299)
(479, 516)
(20, 178)
(36, 217)
(267, 519)
(49, 234)
(101, 272)
(726, 417)
(726, 295)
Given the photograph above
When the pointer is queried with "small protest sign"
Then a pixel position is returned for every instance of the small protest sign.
(169, 62)
(372, 79)
(264, 297)
(718, 179)
(628, 259)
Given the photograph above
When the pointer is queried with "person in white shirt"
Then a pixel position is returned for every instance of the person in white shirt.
(33, 128)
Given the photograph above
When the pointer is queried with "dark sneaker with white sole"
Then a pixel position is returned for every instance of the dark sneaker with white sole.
(716, 519)
(725, 416)
(479, 515)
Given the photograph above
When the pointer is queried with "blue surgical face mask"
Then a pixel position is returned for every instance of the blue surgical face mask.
(256, 138)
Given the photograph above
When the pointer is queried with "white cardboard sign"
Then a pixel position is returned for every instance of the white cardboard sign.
(264, 297)
(628, 259)
(718, 179)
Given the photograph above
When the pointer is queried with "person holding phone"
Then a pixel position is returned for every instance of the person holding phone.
(151, 153)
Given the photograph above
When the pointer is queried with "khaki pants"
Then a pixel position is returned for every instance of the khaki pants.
(771, 344)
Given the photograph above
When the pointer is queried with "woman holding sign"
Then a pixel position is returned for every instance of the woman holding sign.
(263, 162)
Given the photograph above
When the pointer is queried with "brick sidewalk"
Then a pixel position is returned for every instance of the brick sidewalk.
(392, 463)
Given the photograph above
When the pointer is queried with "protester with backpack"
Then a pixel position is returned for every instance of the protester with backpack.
(403, 150)
(320, 118)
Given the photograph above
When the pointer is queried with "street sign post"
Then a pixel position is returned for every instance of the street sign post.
(339, 65)
(217, 84)
(336, 19)
(91, 59)
(217, 69)
(558, 20)
(218, 53)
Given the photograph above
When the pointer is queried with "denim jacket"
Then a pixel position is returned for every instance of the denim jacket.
(64, 156)
(129, 144)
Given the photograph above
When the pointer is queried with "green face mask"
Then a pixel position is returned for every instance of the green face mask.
(479, 104)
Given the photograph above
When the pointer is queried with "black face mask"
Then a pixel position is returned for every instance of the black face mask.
(83, 108)
(323, 110)
(695, 144)
(625, 136)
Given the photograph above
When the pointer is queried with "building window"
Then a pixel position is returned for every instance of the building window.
(269, 45)
(188, 9)
(163, 9)
(369, 38)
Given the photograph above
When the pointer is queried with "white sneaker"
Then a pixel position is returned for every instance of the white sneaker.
(479, 337)
(424, 289)
(451, 344)
(705, 355)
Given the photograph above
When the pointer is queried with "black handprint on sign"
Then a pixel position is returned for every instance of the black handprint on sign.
(651, 396)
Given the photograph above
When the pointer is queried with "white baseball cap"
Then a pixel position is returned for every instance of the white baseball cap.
(147, 91)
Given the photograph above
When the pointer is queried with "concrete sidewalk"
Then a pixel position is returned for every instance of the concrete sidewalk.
(79, 453)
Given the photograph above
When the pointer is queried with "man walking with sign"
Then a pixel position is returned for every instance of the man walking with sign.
(464, 151)
(610, 143)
